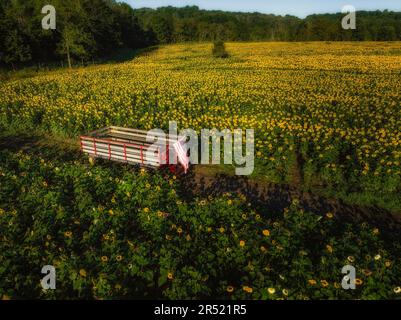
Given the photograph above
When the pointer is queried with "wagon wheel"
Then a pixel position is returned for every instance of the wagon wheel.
(177, 170)
(173, 168)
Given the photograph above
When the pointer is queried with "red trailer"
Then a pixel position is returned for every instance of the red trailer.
(130, 146)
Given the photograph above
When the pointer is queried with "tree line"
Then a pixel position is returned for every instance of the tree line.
(172, 24)
(85, 30)
(91, 29)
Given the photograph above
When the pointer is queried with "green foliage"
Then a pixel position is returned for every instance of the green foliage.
(162, 26)
(192, 24)
(117, 233)
(219, 50)
(16, 50)
(81, 32)
(74, 43)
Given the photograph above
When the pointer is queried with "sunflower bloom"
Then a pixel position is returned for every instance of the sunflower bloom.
(324, 283)
(266, 233)
(247, 289)
(271, 290)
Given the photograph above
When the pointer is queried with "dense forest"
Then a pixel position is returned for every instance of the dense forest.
(192, 24)
(90, 29)
(85, 30)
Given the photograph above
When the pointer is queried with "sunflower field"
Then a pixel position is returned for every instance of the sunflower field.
(326, 117)
(112, 232)
(329, 111)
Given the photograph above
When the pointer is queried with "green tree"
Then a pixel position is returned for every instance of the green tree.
(16, 50)
(387, 33)
(162, 26)
(73, 43)
(219, 49)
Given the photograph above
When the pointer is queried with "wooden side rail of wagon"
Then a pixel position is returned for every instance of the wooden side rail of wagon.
(126, 145)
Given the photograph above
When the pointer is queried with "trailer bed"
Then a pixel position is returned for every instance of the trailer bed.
(124, 145)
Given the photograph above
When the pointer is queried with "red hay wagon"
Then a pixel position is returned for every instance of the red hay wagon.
(129, 146)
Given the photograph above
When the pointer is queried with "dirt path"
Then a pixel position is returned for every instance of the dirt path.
(269, 197)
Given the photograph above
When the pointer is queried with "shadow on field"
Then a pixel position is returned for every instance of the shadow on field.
(271, 199)
(126, 54)
(267, 198)
(42, 145)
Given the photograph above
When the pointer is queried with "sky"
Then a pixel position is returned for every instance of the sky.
(300, 8)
